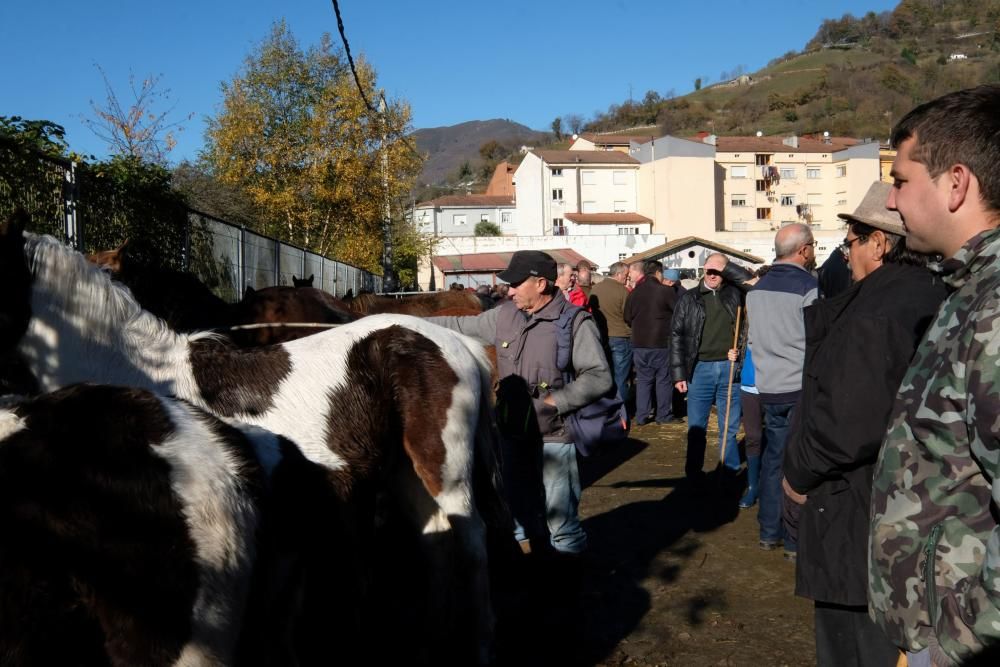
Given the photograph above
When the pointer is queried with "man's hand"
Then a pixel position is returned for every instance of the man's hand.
(548, 400)
(796, 498)
(681, 386)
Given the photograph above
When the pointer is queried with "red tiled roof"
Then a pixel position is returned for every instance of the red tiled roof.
(585, 157)
(616, 139)
(469, 200)
(775, 145)
(606, 218)
(488, 262)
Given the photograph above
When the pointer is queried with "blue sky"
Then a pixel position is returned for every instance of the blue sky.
(528, 61)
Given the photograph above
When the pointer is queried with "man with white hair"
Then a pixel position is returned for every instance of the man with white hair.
(778, 336)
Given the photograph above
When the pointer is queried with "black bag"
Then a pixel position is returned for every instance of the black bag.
(603, 422)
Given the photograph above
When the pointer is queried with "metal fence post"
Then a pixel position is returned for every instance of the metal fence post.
(72, 224)
(243, 265)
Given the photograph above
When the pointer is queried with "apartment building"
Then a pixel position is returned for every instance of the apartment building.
(770, 182)
(458, 215)
(579, 193)
(678, 187)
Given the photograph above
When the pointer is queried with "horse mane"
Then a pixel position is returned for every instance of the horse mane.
(84, 292)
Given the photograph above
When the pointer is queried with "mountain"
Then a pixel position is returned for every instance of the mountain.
(855, 77)
(449, 147)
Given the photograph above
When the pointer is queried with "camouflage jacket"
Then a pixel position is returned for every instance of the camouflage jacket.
(934, 569)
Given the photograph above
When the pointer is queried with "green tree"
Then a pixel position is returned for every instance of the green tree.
(557, 128)
(487, 228)
(295, 134)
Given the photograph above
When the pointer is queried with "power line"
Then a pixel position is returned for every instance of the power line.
(357, 80)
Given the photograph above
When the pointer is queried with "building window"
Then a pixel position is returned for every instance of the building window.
(557, 171)
(558, 229)
(589, 177)
(458, 219)
(506, 217)
(622, 256)
(761, 185)
(812, 172)
(787, 172)
(763, 214)
(619, 178)
(589, 207)
(841, 199)
(625, 231)
(814, 199)
(557, 194)
(841, 170)
(740, 226)
(738, 172)
(619, 207)
(785, 223)
(762, 159)
(738, 200)
(484, 217)
(788, 200)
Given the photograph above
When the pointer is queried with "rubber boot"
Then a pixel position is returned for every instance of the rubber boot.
(749, 498)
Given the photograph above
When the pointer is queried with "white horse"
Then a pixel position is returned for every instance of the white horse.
(387, 400)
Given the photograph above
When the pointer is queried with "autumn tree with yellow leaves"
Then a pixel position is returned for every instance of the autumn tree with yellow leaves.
(295, 135)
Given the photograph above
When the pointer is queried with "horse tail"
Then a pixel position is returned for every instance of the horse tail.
(487, 484)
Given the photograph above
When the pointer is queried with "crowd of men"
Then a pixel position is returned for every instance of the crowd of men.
(868, 391)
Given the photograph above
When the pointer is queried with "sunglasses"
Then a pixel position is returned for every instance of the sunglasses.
(713, 272)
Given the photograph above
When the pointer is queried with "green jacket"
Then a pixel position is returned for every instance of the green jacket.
(934, 569)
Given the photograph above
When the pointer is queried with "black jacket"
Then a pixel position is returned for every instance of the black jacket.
(687, 325)
(648, 310)
(858, 346)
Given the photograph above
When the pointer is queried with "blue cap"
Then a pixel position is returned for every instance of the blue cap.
(672, 274)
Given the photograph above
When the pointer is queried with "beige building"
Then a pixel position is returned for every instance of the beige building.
(678, 187)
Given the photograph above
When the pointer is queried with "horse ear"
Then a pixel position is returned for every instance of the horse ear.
(248, 292)
(310, 279)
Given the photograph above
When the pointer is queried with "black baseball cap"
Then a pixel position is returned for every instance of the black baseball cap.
(528, 263)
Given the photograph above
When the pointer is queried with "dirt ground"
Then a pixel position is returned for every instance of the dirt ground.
(673, 576)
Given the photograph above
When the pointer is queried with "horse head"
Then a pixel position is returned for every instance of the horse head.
(15, 299)
(110, 260)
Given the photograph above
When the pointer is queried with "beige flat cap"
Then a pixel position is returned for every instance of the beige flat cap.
(872, 211)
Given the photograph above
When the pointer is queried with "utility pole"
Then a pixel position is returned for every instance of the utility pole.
(390, 283)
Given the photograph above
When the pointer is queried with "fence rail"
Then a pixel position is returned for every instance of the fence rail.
(226, 257)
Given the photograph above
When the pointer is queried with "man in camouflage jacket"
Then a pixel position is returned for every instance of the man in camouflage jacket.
(935, 546)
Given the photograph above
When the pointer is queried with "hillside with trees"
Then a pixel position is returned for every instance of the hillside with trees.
(855, 77)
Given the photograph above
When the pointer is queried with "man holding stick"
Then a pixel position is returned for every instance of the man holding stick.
(704, 327)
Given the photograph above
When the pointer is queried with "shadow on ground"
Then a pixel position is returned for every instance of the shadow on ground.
(562, 610)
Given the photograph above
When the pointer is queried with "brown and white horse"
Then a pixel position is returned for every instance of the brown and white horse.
(388, 401)
(141, 530)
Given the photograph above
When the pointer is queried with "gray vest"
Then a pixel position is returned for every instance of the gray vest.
(526, 365)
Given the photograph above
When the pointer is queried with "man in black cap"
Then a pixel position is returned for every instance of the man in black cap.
(540, 469)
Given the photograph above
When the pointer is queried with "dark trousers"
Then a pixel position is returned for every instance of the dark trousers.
(777, 419)
(847, 637)
(753, 422)
(652, 374)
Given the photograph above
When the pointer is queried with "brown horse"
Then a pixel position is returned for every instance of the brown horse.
(283, 305)
(421, 305)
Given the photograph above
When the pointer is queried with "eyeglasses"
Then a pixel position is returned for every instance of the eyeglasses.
(845, 247)
(811, 244)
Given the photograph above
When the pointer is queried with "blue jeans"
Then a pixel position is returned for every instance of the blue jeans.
(652, 373)
(777, 418)
(621, 363)
(708, 385)
(549, 502)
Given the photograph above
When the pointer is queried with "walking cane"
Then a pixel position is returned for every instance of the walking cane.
(729, 391)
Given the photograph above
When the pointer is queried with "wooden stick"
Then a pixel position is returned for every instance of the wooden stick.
(729, 392)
